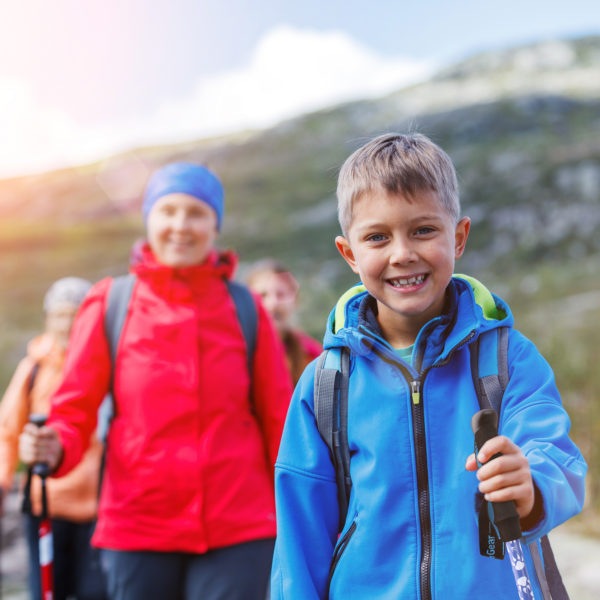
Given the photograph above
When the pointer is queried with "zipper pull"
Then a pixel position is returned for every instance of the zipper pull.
(415, 387)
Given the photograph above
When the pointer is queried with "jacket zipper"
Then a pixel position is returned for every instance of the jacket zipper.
(422, 487)
(338, 552)
(418, 419)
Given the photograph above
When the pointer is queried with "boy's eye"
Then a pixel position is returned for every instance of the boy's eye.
(424, 230)
(376, 237)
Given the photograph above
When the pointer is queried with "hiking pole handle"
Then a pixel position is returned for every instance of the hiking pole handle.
(505, 516)
(41, 469)
(506, 519)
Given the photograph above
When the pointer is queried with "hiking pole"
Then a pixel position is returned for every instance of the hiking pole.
(45, 548)
(503, 515)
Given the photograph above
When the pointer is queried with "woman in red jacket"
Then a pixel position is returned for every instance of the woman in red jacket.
(186, 509)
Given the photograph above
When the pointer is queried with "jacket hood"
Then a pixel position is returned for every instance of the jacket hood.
(471, 310)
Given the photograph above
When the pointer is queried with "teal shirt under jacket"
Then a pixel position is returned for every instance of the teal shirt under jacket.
(411, 530)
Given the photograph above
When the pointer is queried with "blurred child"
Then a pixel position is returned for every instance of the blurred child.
(73, 499)
(278, 289)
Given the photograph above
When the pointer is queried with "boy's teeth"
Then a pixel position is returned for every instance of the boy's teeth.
(408, 280)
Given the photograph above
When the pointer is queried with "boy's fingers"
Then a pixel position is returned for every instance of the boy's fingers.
(502, 494)
(502, 464)
(471, 463)
(496, 445)
(503, 480)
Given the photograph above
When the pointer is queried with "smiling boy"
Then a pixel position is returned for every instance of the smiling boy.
(411, 528)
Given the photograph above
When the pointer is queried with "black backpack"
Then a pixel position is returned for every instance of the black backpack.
(490, 377)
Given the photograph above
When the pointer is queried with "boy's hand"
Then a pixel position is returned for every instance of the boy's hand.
(40, 445)
(507, 477)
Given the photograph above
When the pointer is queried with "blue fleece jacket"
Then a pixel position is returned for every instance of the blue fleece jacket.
(411, 530)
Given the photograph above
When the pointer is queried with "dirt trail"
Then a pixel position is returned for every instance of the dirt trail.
(578, 559)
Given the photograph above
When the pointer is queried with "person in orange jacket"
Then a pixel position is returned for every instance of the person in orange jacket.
(73, 499)
(278, 290)
(187, 504)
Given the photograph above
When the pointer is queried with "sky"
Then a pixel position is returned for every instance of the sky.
(83, 79)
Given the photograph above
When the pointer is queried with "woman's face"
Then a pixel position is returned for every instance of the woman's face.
(59, 321)
(181, 230)
(278, 296)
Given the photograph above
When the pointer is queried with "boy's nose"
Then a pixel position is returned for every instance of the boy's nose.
(402, 252)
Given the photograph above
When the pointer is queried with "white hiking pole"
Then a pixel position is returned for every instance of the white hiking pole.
(504, 514)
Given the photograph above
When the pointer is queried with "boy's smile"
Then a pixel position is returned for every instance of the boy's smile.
(404, 249)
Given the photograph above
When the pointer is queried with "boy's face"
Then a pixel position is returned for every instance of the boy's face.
(404, 250)
(181, 230)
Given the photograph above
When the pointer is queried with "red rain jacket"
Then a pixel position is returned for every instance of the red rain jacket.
(189, 463)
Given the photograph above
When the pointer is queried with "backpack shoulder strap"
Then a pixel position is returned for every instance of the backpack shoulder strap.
(489, 367)
(331, 412)
(247, 315)
(117, 304)
(32, 377)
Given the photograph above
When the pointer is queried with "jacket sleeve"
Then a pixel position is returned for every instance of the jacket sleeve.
(74, 405)
(306, 501)
(14, 411)
(271, 383)
(534, 418)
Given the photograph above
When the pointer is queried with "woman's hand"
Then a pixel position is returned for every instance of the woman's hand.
(40, 445)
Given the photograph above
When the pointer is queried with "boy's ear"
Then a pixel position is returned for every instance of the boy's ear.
(345, 250)
(460, 236)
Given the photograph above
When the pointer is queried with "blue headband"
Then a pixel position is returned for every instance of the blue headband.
(185, 178)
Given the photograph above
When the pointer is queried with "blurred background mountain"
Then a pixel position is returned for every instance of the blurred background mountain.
(523, 129)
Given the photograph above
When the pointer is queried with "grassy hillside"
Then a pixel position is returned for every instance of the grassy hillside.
(524, 135)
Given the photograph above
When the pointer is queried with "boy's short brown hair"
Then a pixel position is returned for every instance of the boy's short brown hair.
(397, 163)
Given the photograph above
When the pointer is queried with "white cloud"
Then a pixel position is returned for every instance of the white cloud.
(290, 72)
(28, 133)
(36, 137)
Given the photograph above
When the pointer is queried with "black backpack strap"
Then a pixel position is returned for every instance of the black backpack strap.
(32, 376)
(331, 413)
(247, 315)
(26, 504)
(489, 367)
(117, 305)
(555, 582)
